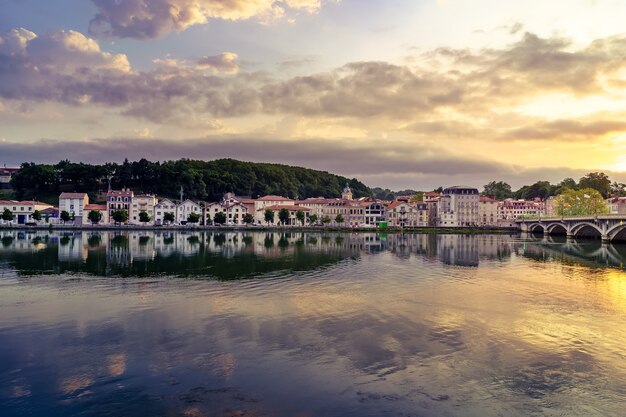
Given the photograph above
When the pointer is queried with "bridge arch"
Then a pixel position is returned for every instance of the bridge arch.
(587, 230)
(556, 229)
(536, 228)
(617, 233)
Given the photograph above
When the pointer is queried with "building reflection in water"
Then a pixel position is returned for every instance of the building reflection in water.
(252, 253)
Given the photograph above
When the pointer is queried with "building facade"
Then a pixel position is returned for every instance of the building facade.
(458, 207)
(74, 204)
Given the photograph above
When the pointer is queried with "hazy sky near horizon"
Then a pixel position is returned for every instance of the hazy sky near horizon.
(398, 93)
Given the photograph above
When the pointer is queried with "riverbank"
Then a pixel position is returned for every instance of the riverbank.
(424, 230)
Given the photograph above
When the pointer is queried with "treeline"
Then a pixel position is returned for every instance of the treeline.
(598, 181)
(200, 180)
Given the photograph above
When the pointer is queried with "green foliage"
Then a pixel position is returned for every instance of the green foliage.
(7, 215)
(120, 216)
(325, 219)
(248, 218)
(580, 203)
(499, 190)
(599, 181)
(313, 218)
(200, 179)
(144, 217)
(339, 218)
(300, 216)
(219, 218)
(269, 216)
(37, 215)
(169, 217)
(94, 216)
(65, 216)
(193, 218)
(283, 215)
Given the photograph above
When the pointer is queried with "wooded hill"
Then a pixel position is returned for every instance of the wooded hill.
(201, 180)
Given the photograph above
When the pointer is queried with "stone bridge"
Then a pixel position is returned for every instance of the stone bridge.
(607, 227)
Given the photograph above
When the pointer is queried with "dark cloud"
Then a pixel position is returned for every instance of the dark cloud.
(390, 165)
(145, 19)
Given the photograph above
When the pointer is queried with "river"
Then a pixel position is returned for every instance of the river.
(310, 324)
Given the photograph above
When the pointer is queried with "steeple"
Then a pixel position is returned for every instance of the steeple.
(346, 193)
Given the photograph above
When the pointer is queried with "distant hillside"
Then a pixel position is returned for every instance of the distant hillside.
(201, 180)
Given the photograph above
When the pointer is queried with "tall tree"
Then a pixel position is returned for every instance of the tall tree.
(283, 216)
(500, 190)
(269, 216)
(599, 181)
(300, 216)
(94, 216)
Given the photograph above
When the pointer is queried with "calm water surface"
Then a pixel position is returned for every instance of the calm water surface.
(304, 324)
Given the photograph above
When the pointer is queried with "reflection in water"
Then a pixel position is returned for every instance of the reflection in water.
(323, 324)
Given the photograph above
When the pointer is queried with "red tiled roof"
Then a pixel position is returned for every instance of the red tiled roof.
(290, 208)
(486, 199)
(274, 198)
(100, 207)
(120, 193)
(72, 195)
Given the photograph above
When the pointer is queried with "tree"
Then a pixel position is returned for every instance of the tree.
(120, 216)
(541, 189)
(193, 218)
(300, 216)
(7, 215)
(65, 216)
(248, 218)
(219, 218)
(36, 215)
(313, 218)
(583, 202)
(418, 197)
(169, 217)
(598, 181)
(618, 189)
(339, 219)
(283, 216)
(94, 216)
(500, 190)
(269, 216)
(144, 217)
(326, 219)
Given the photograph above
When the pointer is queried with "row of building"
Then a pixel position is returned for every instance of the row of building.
(457, 206)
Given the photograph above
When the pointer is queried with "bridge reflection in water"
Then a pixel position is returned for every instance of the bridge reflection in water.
(242, 254)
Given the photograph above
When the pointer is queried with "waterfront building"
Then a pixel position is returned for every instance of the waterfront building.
(74, 204)
(162, 207)
(119, 200)
(487, 211)
(403, 214)
(616, 205)
(232, 208)
(293, 209)
(101, 208)
(510, 209)
(260, 204)
(22, 210)
(458, 207)
(142, 203)
(374, 212)
(315, 205)
(186, 208)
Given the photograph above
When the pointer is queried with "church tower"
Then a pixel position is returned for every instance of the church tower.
(347, 193)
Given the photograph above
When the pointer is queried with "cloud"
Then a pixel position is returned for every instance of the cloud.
(390, 165)
(224, 62)
(566, 130)
(144, 19)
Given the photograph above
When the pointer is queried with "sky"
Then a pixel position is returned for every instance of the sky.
(397, 93)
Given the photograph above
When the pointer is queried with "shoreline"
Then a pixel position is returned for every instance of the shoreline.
(321, 229)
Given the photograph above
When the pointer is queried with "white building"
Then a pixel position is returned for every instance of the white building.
(162, 207)
(232, 209)
(487, 211)
(402, 214)
(186, 208)
(458, 207)
(260, 204)
(142, 203)
(74, 204)
(22, 210)
(119, 200)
